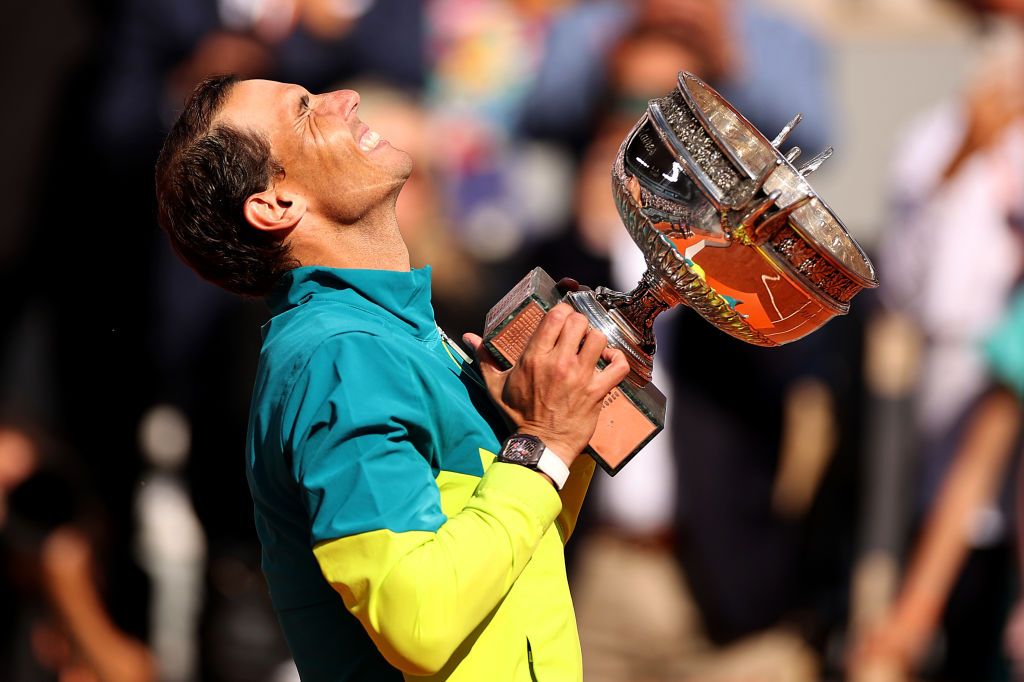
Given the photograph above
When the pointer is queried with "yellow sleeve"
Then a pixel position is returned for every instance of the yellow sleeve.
(573, 493)
(420, 594)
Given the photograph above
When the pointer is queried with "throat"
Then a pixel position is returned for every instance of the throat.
(368, 245)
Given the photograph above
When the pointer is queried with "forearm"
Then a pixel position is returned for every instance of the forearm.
(69, 584)
(420, 594)
(970, 483)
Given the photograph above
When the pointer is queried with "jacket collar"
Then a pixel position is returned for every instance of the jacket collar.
(401, 297)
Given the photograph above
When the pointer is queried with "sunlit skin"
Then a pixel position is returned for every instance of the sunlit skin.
(335, 201)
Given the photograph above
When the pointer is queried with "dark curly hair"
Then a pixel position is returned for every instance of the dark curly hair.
(204, 174)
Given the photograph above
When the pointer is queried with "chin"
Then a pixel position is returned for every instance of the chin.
(403, 164)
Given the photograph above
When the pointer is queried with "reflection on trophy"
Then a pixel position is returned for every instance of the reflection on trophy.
(728, 226)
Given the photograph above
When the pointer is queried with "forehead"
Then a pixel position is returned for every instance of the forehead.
(260, 104)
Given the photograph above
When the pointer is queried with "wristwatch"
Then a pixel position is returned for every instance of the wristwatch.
(530, 452)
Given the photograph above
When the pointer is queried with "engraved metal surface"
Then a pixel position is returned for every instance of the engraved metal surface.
(785, 263)
(620, 333)
(676, 282)
(818, 224)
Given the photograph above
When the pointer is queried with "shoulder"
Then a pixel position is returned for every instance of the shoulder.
(359, 357)
(318, 331)
(303, 329)
(354, 380)
(310, 349)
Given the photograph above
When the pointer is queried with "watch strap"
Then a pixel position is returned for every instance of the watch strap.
(552, 465)
(530, 451)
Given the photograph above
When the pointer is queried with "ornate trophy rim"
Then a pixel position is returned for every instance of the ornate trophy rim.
(743, 192)
(713, 192)
(856, 265)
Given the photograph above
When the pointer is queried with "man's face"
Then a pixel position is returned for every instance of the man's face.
(341, 167)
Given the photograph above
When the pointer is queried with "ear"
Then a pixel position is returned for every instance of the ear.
(274, 210)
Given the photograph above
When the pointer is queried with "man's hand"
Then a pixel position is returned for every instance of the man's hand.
(555, 390)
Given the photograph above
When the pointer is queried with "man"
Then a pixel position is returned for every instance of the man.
(393, 543)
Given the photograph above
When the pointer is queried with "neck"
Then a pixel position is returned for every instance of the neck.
(374, 242)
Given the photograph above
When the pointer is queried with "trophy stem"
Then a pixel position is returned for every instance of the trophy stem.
(638, 308)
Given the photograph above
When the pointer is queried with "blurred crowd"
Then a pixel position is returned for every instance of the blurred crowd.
(844, 507)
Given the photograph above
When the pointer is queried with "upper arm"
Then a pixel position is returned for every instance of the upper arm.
(363, 455)
(359, 441)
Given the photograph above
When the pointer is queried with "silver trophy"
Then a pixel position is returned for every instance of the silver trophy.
(728, 225)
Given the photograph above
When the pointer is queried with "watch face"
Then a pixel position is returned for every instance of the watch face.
(522, 450)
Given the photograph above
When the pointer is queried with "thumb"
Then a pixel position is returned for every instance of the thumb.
(488, 365)
(473, 341)
(479, 350)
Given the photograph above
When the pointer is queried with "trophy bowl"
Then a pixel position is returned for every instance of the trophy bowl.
(728, 226)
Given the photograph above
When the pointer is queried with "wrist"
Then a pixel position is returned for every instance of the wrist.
(530, 451)
(558, 446)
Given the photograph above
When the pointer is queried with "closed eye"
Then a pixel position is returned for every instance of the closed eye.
(303, 113)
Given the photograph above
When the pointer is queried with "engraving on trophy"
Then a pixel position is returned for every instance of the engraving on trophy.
(622, 429)
(511, 341)
(511, 323)
(728, 226)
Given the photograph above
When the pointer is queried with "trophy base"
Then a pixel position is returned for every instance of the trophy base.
(632, 413)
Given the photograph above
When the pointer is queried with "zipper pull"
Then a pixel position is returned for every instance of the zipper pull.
(454, 346)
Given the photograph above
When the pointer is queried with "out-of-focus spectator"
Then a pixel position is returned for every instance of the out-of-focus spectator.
(961, 517)
(1005, 351)
(17, 461)
(949, 264)
(170, 546)
(58, 624)
(767, 65)
(965, 510)
(503, 191)
(962, 165)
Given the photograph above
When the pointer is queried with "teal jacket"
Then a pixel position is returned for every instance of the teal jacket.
(391, 543)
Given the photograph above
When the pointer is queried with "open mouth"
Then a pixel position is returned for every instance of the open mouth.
(369, 139)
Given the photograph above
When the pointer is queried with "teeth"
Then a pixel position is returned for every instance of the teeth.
(369, 140)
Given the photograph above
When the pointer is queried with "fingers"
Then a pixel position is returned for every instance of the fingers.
(548, 331)
(573, 330)
(489, 367)
(476, 343)
(593, 347)
(567, 335)
(612, 374)
(567, 284)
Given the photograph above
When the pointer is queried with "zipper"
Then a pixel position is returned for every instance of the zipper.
(454, 346)
(467, 367)
(529, 660)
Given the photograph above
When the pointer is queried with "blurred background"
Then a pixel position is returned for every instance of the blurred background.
(840, 508)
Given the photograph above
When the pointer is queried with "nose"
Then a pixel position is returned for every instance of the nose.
(348, 101)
